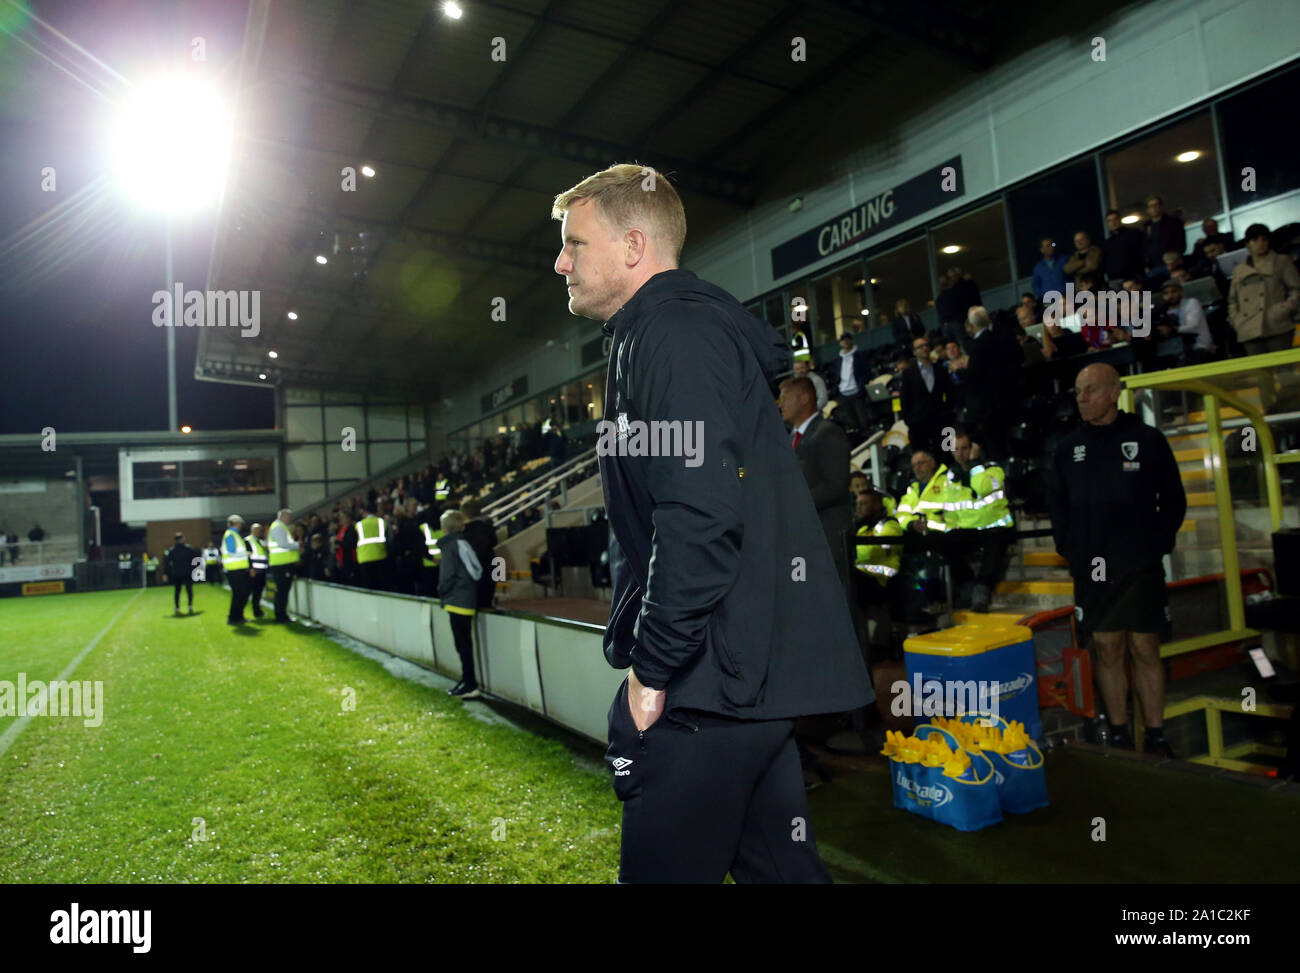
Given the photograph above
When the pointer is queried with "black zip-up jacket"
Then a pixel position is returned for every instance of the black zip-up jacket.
(1118, 495)
(724, 590)
(178, 561)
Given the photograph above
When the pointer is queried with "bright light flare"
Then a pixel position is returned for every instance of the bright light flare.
(452, 10)
(171, 145)
(1189, 156)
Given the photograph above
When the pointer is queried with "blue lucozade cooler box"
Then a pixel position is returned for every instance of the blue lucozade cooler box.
(953, 671)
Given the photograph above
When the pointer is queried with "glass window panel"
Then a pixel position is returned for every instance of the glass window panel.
(597, 410)
(219, 477)
(980, 239)
(902, 273)
(1189, 188)
(1248, 126)
(1056, 205)
(839, 297)
(302, 423)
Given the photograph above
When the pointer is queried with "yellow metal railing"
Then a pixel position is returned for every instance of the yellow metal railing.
(1219, 755)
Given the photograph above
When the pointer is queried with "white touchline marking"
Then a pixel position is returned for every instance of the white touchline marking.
(17, 726)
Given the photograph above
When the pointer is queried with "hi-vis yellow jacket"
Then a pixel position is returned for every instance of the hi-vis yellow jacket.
(931, 501)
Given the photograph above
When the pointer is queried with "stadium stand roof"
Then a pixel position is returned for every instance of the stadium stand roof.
(469, 152)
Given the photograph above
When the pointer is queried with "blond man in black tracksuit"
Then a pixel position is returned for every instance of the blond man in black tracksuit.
(726, 603)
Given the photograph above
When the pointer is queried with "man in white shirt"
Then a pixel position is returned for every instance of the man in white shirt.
(803, 369)
(1185, 316)
(851, 390)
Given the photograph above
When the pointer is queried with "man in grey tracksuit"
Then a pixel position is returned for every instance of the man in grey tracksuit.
(458, 575)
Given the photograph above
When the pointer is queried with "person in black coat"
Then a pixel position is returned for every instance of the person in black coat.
(926, 397)
(823, 452)
(1123, 251)
(913, 326)
(482, 537)
(1164, 234)
(724, 603)
(179, 561)
(991, 379)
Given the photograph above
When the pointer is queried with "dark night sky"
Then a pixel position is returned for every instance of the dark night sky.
(78, 266)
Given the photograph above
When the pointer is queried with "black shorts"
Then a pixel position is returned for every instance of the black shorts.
(1137, 602)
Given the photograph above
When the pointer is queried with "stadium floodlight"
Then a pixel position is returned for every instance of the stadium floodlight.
(171, 144)
(368, 172)
(322, 259)
(187, 429)
(1131, 218)
(1190, 156)
(262, 376)
(293, 315)
(272, 354)
(952, 248)
(452, 9)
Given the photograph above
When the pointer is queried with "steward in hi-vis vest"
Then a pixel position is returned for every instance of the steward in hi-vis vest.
(283, 556)
(235, 566)
(982, 515)
(259, 562)
(372, 551)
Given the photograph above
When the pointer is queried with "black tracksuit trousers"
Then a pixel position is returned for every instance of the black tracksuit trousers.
(706, 795)
(240, 587)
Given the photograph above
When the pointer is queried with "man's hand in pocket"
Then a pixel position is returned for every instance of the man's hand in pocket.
(645, 704)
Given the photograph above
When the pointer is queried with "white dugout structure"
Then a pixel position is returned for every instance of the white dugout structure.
(554, 667)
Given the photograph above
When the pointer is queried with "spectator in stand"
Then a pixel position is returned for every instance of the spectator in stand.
(1029, 347)
(858, 483)
(990, 379)
(803, 369)
(1184, 316)
(316, 558)
(1028, 302)
(1173, 263)
(13, 548)
(1164, 234)
(1210, 229)
(1264, 303)
(406, 550)
(1123, 251)
(555, 442)
(482, 537)
(926, 402)
(345, 550)
(1049, 272)
(853, 372)
(954, 359)
(911, 322)
(961, 294)
(1087, 259)
(1208, 265)
(36, 534)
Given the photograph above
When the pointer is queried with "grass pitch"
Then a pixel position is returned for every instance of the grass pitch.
(232, 756)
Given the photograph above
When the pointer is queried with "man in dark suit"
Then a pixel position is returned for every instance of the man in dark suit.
(926, 397)
(822, 449)
(912, 322)
(848, 378)
(823, 452)
(990, 379)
